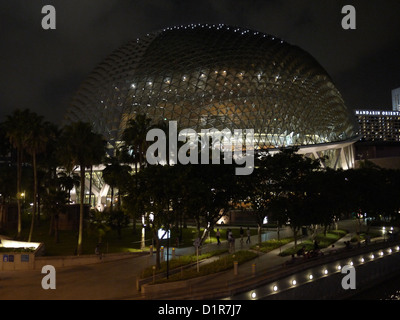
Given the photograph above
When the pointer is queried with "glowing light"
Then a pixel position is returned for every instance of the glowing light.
(253, 295)
(294, 282)
(310, 277)
(326, 271)
(275, 288)
(19, 244)
(163, 234)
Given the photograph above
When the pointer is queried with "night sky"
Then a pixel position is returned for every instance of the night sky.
(42, 69)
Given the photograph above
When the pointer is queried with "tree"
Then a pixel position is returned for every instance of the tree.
(326, 191)
(54, 203)
(208, 192)
(134, 138)
(7, 174)
(259, 190)
(290, 173)
(16, 127)
(98, 221)
(133, 150)
(374, 192)
(36, 141)
(68, 180)
(154, 186)
(81, 147)
(5, 146)
(114, 175)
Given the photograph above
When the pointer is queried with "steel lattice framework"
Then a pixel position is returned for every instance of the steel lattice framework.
(216, 76)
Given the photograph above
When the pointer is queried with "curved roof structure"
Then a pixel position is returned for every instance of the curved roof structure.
(216, 76)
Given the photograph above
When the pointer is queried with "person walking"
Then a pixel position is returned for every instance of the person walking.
(218, 235)
(231, 242)
(248, 235)
(97, 251)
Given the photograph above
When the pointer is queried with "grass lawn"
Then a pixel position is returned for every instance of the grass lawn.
(363, 235)
(111, 243)
(180, 262)
(272, 244)
(323, 242)
(225, 262)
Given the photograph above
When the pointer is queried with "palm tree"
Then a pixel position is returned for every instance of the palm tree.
(134, 137)
(135, 146)
(54, 202)
(68, 180)
(113, 174)
(36, 141)
(16, 126)
(81, 147)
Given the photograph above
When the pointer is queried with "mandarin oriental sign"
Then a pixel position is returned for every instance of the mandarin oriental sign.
(376, 113)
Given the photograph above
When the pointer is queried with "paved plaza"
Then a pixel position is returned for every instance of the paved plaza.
(117, 279)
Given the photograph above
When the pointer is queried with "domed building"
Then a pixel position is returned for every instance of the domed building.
(217, 76)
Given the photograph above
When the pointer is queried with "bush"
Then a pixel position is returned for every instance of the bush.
(272, 244)
(324, 241)
(363, 235)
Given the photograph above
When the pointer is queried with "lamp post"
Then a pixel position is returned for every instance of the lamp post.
(167, 252)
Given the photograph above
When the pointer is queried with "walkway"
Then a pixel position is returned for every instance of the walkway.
(117, 279)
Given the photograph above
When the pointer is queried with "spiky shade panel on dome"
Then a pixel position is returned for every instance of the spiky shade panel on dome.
(206, 76)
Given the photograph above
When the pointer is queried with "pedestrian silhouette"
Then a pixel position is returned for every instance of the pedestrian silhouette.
(248, 235)
(218, 235)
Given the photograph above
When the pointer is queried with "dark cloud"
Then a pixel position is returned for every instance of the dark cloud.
(41, 69)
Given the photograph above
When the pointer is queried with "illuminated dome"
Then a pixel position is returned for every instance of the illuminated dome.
(216, 76)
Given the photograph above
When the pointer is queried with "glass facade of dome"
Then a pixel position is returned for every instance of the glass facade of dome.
(216, 76)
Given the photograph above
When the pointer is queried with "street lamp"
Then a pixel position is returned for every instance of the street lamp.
(162, 234)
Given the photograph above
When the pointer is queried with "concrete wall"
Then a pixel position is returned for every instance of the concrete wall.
(68, 261)
(34, 260)
(17, 261)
